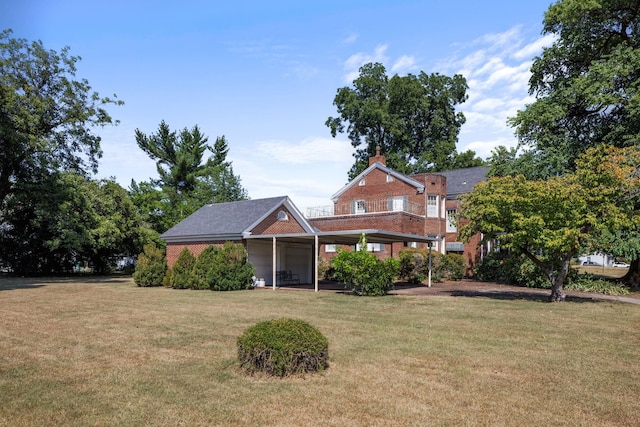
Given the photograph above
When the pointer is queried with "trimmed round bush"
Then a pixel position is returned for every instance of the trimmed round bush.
(283, 347)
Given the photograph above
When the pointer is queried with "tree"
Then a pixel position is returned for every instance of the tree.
(64, 219)
(551, 221)
(586, 87)
(586, 84)
(186, 181)
(46, 114)
(412, 119)
(613, 175)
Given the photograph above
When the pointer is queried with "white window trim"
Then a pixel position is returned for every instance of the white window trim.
(432, 211)
(451, 227)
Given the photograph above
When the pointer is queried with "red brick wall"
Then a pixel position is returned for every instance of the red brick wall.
(271, 224)
(196, 248)
(376, 187)
(400, 222)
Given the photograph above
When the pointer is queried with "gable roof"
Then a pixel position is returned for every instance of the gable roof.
(377, 165)
(230, 220)
(462, 181)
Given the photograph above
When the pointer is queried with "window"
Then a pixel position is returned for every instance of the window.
(372, 247)
(389, 178)
(360, 207)
(451, 227)
(282, 216)
(397, 204)
(432, 206)
(329, 248)
(413, 244)
(362, 182)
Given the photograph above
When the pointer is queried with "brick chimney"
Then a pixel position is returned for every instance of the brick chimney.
(378, 158)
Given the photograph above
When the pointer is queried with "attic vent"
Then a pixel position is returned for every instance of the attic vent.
(282, 216)
(362, 182)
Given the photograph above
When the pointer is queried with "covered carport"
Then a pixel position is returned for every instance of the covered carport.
(309, 243)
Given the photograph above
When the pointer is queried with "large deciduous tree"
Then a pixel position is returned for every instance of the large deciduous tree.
(66, 218)
(186, 180)
(551, 221)
(586, 84)
(586, 88)
(46, 114)
(412, 118)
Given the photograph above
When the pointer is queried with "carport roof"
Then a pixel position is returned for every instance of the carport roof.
(347, 237)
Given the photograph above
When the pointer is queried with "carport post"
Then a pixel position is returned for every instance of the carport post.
(429, 281)
(316, 255)
(273, 265)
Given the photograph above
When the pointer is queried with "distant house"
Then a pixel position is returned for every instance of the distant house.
(277, 237)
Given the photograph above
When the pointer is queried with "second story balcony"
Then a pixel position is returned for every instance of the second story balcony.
(360, 207)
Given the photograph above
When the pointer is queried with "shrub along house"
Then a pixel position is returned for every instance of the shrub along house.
(421, 204)
(280, 242)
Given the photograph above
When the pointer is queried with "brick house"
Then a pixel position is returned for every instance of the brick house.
(420, 204)
(394, 210)
(277, 237)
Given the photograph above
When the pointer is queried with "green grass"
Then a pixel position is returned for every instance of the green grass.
(105, 352)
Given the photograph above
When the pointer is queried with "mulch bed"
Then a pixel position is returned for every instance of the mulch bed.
(471, 288)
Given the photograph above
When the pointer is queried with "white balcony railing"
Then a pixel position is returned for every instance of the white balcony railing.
(366, 206)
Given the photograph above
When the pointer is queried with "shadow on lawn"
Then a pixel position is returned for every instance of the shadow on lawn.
(9, 283)
(517, 295)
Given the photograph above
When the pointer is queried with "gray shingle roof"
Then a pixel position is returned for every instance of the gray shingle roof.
(462, 181)
(224, 219)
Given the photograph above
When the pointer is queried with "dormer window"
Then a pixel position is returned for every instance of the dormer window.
(282, 216)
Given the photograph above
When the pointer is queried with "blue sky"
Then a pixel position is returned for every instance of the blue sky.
(264, 74)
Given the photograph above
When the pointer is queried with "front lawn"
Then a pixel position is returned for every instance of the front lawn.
(105, 352)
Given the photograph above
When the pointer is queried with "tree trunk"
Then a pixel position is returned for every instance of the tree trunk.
(557, 281)
(632, 278)
(557, 292)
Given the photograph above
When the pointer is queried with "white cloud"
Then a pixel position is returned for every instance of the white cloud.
(351, 38)
(122, 158)
(309, 150)
(534, 48)
(308, 171)
(354, 62)
(501, 41)
(403, 65)
(497, 67)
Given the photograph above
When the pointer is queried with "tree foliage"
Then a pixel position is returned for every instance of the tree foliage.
(186, 180)
(46, 114)
(551, 221)
(412, 118)
(64, 219)
(586, 85)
